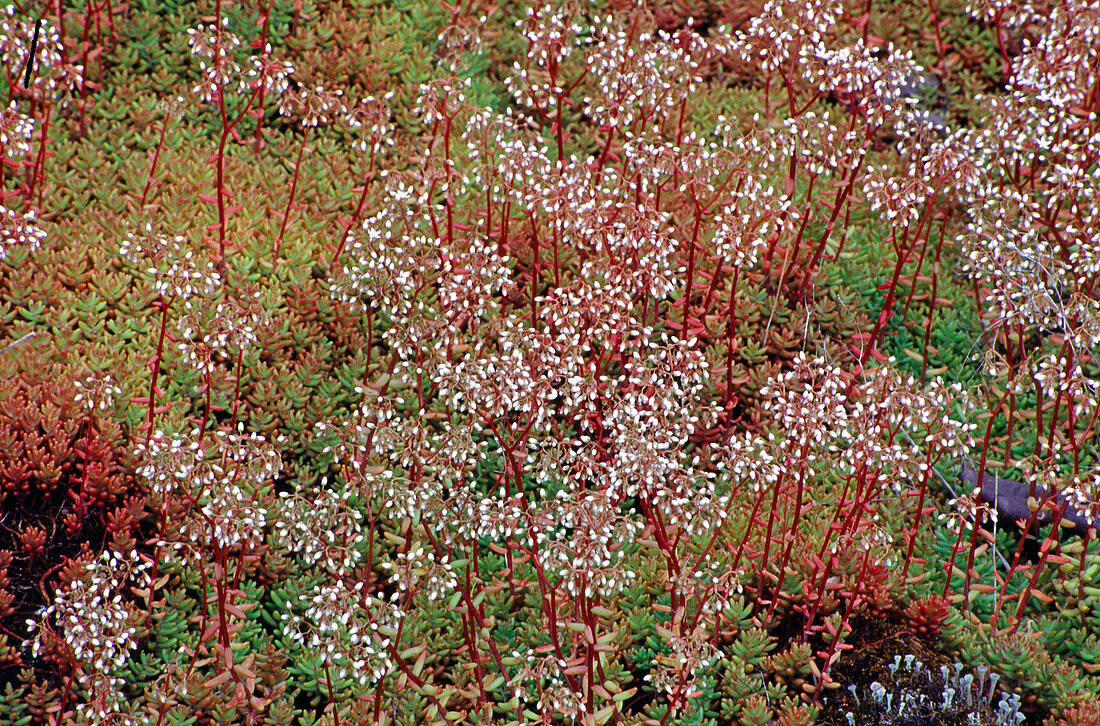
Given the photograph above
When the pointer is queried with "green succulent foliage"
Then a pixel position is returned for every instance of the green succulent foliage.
(1022, 660)
(952, 336)
(179, 716)
(14, 710)
(752, 646)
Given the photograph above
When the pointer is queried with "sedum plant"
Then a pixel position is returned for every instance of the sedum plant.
(534, 364)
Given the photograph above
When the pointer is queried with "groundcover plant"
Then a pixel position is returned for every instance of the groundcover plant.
(612, 362)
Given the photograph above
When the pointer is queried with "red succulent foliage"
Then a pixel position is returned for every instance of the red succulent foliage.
(65, 482)
(927, 614)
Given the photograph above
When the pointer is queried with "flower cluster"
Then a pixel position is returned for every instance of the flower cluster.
(440, 100)
(214, 44)
(213, 331)
(900, 198)
(311, 106)
(222, 482)
(98, 392)
(174, 270)
(19, 230)
(322, 528)
(268, 74)
(869, 81)
(808, 402)
(677, 673)
(637, 78)
(371, 117)
(539, 678)
(16, 131)
(350, 629)
(783, 28)
(582, 538)
(96, 623)
(417, 572)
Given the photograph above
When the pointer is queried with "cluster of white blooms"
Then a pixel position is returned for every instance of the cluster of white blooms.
(473, 282)
(442, 460)
(965, 511)
(223, 481)
(97, 392)
(171, 462)
(949, 163)
(581, 536)
(371, 117)
(312, 106)
(539, 677)
(460, 38)
(1065, 378)
(401, 497)
(493, 384)
(212, 41)
(817, 143)
(419, 572)
(942, 415)
(373, 417)
(888, 405)
(51, 78)
(173, 268)
(645, 242)
(209, 332)
(1061, 68)
(783, 28)
(709, 583)
(348, 628)
(752, 459)
(440, 99)
(231, 507)
(267, 73)
(636, 78)
(808, 402)
(19, 230)
(657, 158)
(646, 426)
(870, 81)
(677, 672)
(94, 620)
(214, 44)
(106, 702)
(1021, 267)
(1082, 492)
(552, 34)
(319, 528)
(901, 199)
(466, 514)
(744, 226)
(690, 503)
(396, 253)
(233, 514)
(1011, 13)
(507, 155)
(1082, 319)
(16, 132)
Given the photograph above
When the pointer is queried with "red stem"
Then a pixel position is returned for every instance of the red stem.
(290, 199)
